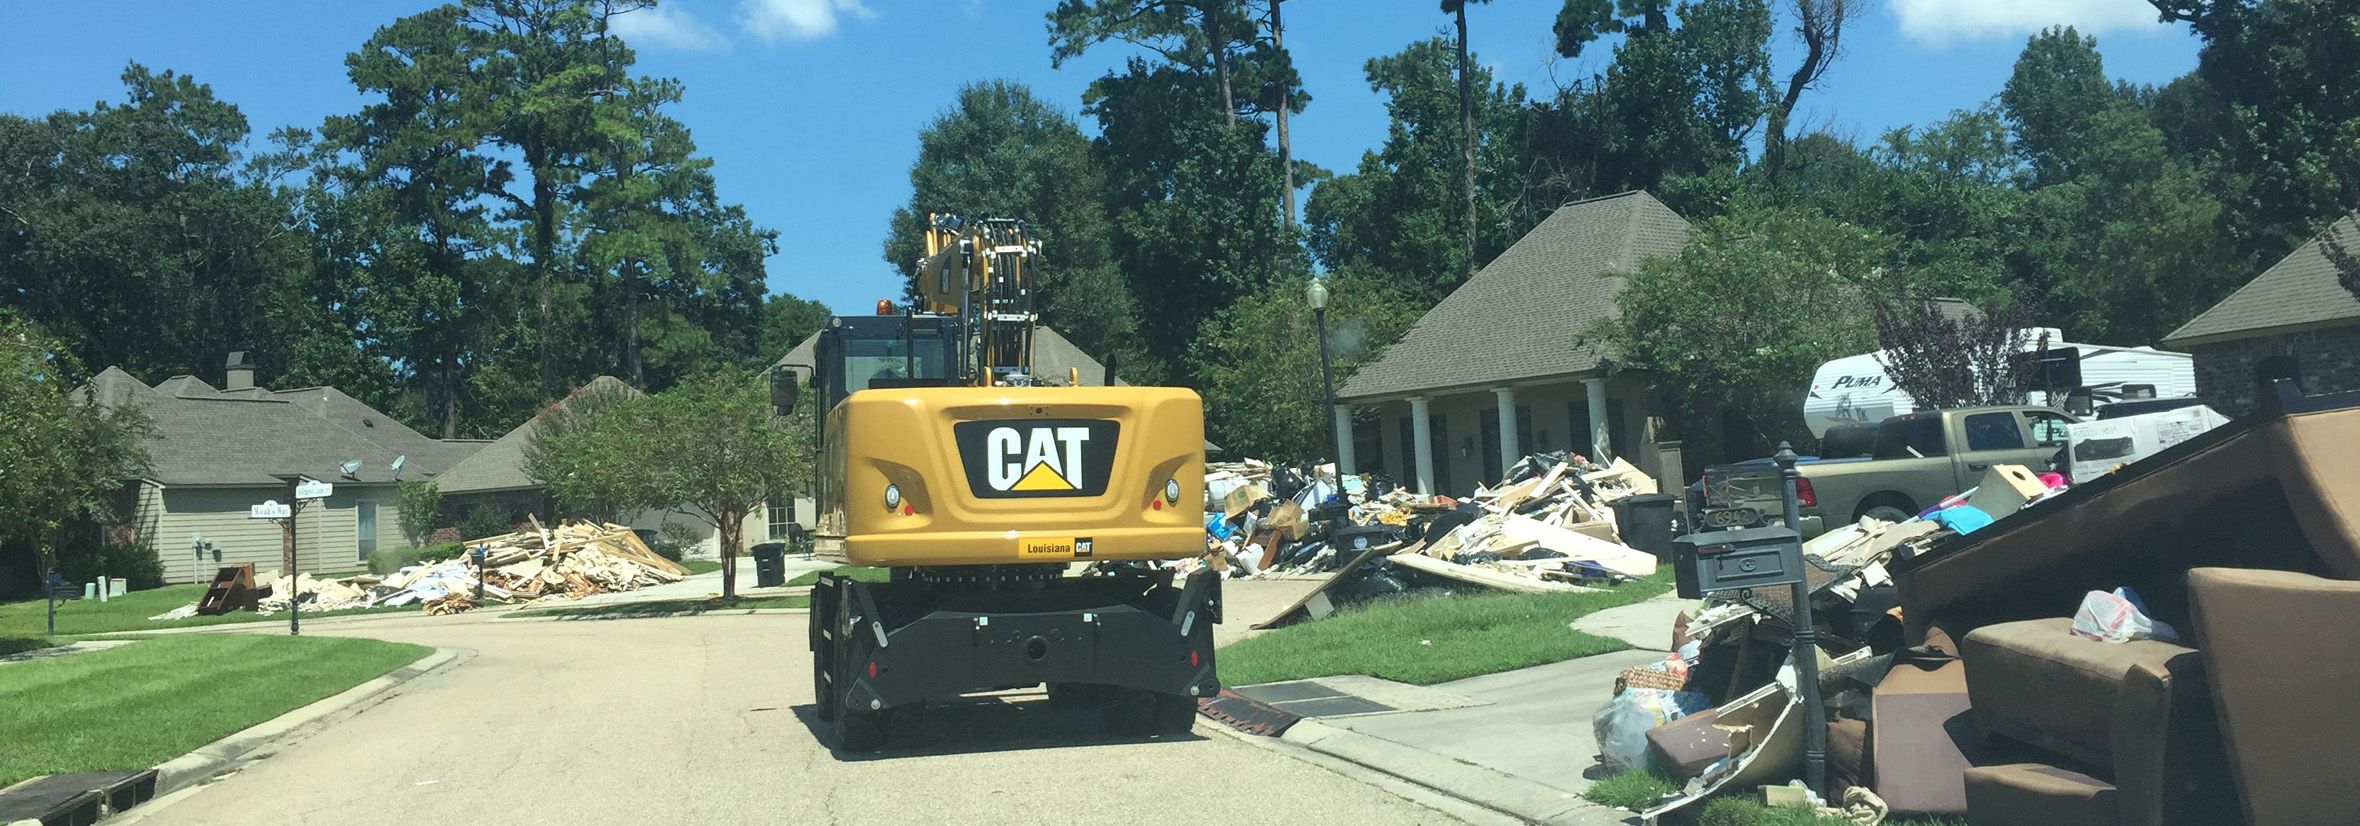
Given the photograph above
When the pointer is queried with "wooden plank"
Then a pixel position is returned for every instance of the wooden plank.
(1621, 559)
(1302, 606)
(1485, 577)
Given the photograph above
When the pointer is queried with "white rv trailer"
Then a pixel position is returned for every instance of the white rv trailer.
(1857, 389)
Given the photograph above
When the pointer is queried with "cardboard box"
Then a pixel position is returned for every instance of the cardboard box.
(2097, 448)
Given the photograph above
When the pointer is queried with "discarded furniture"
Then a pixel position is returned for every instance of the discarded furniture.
(2276, 490)
(1921, 742)
(2278, 649)
(232, 590)
(2121, 732)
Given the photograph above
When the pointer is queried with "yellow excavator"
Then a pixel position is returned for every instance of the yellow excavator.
(987, 490)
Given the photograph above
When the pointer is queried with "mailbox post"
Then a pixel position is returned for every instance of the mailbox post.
(1806, 639)
(1772, 557)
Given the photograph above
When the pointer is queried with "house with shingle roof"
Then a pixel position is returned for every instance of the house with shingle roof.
(1493, 372)
(2295, 320)
(219, 451)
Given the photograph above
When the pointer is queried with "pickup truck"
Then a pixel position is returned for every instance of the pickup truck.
(1920, 459)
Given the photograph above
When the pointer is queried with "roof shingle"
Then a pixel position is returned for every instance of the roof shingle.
(1516, 319)
(2298, 291)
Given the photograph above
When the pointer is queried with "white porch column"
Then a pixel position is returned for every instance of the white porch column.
(1601, 443)
(1421, 431)
(1510, 451)
(1345, 463)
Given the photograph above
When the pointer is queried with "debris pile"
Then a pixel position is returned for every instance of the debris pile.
(573, 560)
(1549, 526)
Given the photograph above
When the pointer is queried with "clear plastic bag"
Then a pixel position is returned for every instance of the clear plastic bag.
(1621, 727)
(2119, 617)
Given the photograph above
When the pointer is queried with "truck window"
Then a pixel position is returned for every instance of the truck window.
(2048, 429)
(1910, 438)
(1993, 431)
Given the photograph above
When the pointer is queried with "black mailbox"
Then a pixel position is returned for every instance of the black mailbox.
(1746, 558)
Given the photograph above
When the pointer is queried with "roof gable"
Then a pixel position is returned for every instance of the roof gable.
(2299, 291)
(1516, 319)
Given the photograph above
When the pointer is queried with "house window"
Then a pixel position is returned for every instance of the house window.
(781, 515)
(364, 522)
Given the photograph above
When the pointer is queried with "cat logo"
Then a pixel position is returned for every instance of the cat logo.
(1037, 457)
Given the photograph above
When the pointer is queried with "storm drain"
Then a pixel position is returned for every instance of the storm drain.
(1312, 698)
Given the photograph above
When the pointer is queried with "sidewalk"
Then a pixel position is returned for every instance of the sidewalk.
(1525, 749)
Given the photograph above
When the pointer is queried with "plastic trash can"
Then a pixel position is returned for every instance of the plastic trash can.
(770, 565)
(1645, 522)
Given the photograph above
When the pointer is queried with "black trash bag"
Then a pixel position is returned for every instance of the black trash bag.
(1477, 557)
(1541, 553)
(1452, 520)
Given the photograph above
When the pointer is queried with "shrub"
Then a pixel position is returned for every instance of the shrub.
(485, 520)
(135, 562)
(421, 505)
(674, 540)
(385, 561)
(441, 551)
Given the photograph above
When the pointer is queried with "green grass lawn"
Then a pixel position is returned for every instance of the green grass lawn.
(1425, 640)
(663, 608)
(700, 566)
(856, 572)
(1633, 790)
(140, 704)
(130, 612)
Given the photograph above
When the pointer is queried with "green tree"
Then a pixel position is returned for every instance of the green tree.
(138, 234)
(65, 455)
(2273, 120)
(1399, 212)
(716, 451)
(1195, 207)
(787, 321)
(2122, 242)
(592, 453)
(1737, 321)
(999, 152)
(421, 506)
(1261, 381)
(1677, 101)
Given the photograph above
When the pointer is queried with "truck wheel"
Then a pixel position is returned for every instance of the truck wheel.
(1129, 712)
(1174, 715)
(860, 730)
(1888, 513)
(824, 699)
(1076, 695)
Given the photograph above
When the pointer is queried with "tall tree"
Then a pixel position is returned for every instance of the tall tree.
(1736, 322)
(1286, 146)
(1819, 25)
(2275, 109)
(2122, 243)
(64, 454)
(1205, 36)
(1457, 9)
(1261, 375)
(1677, 101)
(140, 234)
(1399, 213)
(1000, 152)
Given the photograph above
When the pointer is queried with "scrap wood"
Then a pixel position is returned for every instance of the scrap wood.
(1765, 746)
(1621, 559)
(1486, 577)
(1315, 604)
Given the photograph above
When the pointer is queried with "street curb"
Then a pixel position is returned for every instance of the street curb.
(1514, 797)
(1456, 806)
(721, 613)
(255, 742)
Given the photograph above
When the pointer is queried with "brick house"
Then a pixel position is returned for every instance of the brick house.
(2294, 320)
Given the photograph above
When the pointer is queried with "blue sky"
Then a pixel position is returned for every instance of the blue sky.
(811, 108)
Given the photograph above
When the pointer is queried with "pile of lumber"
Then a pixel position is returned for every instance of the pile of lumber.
(1540, 530)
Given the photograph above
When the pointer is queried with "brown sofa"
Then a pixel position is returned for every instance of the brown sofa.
(2124, 732)
(2278, 647)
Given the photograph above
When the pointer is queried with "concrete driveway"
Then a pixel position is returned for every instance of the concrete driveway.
(707, 719)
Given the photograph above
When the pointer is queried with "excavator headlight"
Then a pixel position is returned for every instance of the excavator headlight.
(1172, 491)
(892, 497)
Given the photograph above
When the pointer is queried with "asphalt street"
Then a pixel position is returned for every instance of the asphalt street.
(706, 719)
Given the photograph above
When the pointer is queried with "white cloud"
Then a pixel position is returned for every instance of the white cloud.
(1939, 22)
(798, 20)
(669, 27)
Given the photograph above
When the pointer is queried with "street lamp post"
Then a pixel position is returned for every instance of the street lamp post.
(1317, 293)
